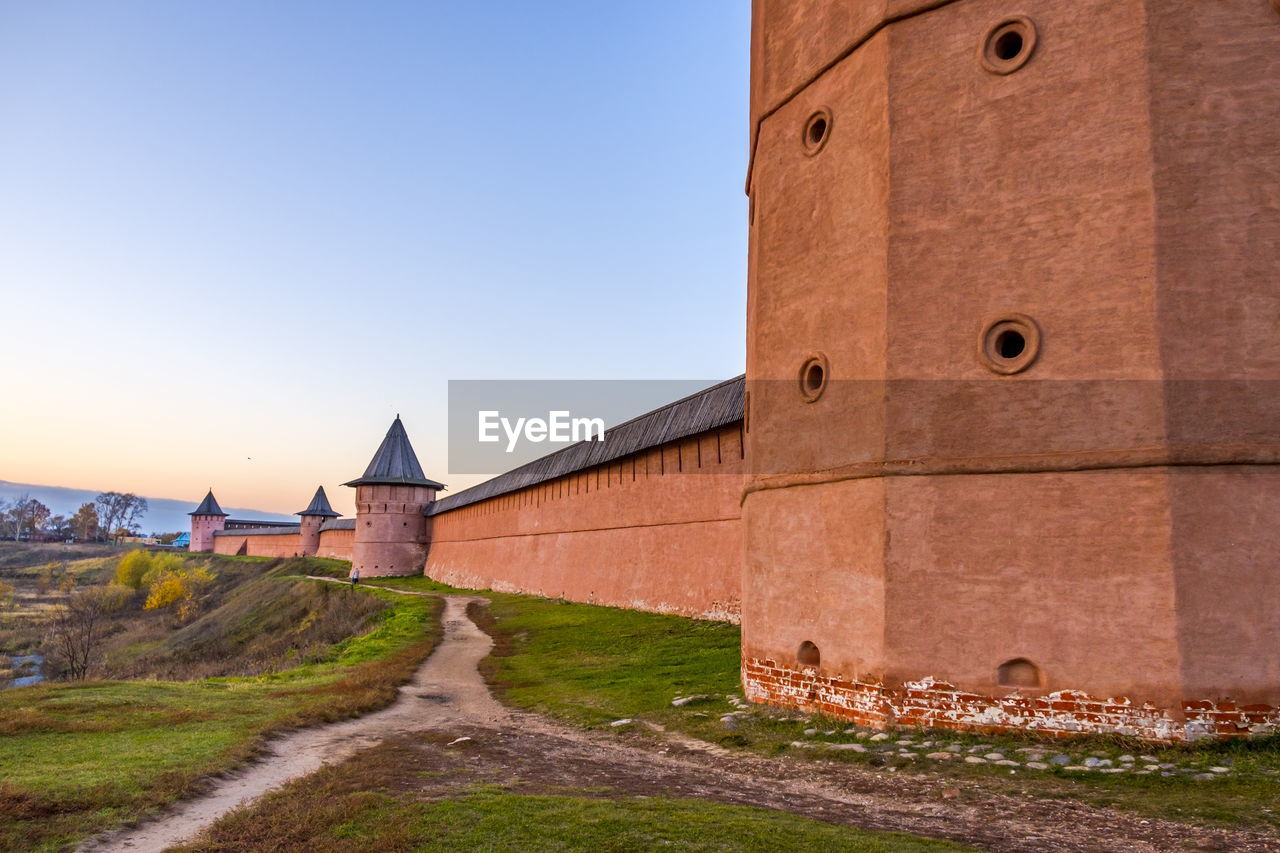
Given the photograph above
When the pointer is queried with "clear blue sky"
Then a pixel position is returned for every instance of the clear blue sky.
(234, 230)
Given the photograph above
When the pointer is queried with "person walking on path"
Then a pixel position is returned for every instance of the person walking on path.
(354, 577)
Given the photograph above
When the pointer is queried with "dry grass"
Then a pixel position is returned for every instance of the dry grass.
(264, 625)
(22, 557)
(79, 758)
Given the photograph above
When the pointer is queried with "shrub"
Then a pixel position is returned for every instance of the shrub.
(133, 568)
(159, 566)
(177, 586)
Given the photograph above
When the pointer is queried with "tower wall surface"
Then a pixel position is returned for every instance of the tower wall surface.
(942, 509)
(392, 534)
(202, 529)
(309, 535)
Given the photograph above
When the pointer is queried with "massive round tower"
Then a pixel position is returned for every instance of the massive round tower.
(392, 530)
(1013, 423)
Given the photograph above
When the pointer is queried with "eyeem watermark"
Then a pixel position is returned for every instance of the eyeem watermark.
(558, 426)
(496, 425)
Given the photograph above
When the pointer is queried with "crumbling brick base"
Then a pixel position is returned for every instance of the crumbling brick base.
(930, 703)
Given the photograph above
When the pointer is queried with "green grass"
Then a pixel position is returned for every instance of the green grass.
(252, 618)
(536, 823)
(365, 822)
(77, 758)
(589, 665)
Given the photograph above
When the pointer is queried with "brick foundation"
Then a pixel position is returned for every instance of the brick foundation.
(936, 704)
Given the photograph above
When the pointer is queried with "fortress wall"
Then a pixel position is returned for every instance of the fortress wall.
(228, 544)
(657, 531)
(266, 545)
(336, 544)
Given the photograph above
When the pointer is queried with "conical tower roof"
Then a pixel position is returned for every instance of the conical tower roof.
(395, 463)
(208, 506)
(319, 506)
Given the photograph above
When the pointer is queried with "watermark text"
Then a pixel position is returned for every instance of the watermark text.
(558, 426)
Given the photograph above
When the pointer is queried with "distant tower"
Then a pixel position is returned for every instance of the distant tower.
(313, 517)
(205, 521)
(392, 532)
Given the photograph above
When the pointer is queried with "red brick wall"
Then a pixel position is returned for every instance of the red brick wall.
(391, 535)
(1108, 513)
(658, 531)
(936, 704)
(336, 544)
(202, 530)
(270, 545)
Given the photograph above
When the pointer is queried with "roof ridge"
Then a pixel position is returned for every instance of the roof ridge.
(208, 506)
(319, 506)
(395, 463)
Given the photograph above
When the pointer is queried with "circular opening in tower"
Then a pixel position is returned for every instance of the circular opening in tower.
(1009, 344)
(817, 129)
(808, 655)
(1008, 45)
(813, 377)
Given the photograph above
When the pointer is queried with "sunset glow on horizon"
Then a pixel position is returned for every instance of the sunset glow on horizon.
(236, 239)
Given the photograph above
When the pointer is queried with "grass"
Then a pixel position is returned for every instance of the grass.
(36, 573)
(1245, 799)
(362, 823)
(78, 758)
(26, 558)
(590, 665)
(258, 618)
(374, 802)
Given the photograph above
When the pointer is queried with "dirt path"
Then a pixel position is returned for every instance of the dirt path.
(448, 701)
(445, 691)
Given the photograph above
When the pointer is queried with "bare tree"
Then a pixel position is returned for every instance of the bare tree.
(135, 509)
(119, 510)
(109, 508)
(24, 515)
(75, 629)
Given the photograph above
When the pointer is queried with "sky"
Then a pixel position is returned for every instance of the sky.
(237, 238)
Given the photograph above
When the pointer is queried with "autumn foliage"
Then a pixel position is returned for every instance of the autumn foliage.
(178, 588)
(167, 580)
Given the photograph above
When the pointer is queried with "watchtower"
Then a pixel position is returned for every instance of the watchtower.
(392, 531)
(207, 519)
(311, 520)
